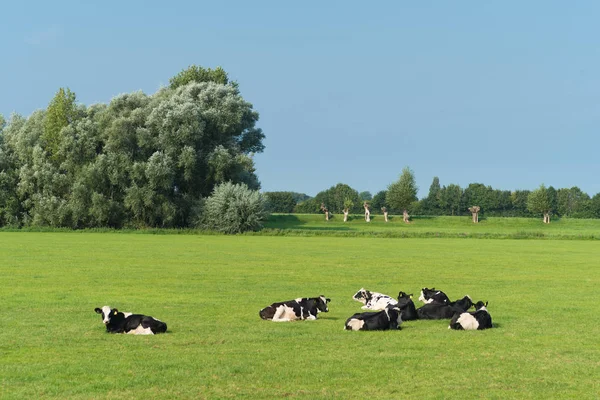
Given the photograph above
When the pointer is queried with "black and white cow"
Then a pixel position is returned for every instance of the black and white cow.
(407, 307)
(389, 318)
(479, 319)
(302, 308)
(373, 300)
(135, 324)
(430, 296)
(444, 311)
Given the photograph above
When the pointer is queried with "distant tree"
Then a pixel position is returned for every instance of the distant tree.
(431, 204)
(595, 206)
(299, 197)
(61, 112)
(335, 196)
(280, 202)
(450, 199)
(325, 211)
(402, 193)
(309, 206)
(379, 200)
(539, 202)
(571, 202)
(366, 195)
(347, 206)
(384, 210)
(234, 208)
(475, 211)
(518, 200)
(199, 74)
(367, 211)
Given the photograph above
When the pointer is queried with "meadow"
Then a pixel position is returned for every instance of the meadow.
(543, 297)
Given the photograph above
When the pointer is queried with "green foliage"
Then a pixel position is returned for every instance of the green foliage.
(335, 196)
(378, 202)
(141, 160)
(234, 208)
(539, 201)
(401, 194)
(61, 112)
(195, 73)
(309, 206)
(366, 195)
(280, 202)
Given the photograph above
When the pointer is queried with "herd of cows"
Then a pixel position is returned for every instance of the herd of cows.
(389, 313)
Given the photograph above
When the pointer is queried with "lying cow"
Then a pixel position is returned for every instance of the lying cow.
(134, 324)
(444, 311)
(302, 308)
(407, 307)
(373, 300)
(389, 318)
(479, 319)
(429, 296)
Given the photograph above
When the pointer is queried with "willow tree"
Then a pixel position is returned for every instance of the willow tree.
(539, 202)
(403, 192)
(475, 213)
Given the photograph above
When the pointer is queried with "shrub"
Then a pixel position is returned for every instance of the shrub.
(234, 208)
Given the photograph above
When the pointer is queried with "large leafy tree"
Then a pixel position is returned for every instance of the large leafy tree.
(450, 199)
(141, 160)
(539, 202)
(402, 193)
(336, 197)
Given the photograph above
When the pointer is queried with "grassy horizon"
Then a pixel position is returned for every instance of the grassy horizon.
(542, 296)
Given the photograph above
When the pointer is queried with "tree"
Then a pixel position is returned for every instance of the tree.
(402, 193)
(539, 202)
(365, 196)
(432, 201)
(280, 202)
(337, 195)
(379, 200)
(475, 211)
(450, 199)
(367, 212)
(234, 208)
(199, 74)
(347, 206)
(61, 112)
(571, 202)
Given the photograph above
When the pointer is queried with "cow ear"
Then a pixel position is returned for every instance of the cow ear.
(115, 311)
(410, 295)
(328, 300)
(486, 303)
(98, 311)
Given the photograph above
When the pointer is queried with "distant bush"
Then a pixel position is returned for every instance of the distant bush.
(280, 202)
(234, 208)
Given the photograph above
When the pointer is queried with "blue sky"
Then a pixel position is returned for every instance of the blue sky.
(506, 93)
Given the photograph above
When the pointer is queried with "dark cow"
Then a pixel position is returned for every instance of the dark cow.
(444, 311)
(431, 296)
(479, 319)
(407, 307)
(302, 308)
(389, 318)
(373, 300)
(134, 324)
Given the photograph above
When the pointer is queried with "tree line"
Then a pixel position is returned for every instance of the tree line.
(139, 161)
(451, 199)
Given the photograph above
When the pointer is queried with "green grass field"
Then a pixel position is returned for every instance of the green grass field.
(492, 227)
(543, 297)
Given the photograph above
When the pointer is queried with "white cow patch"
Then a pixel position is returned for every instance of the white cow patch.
(468, 322)
(127, 314)
(140, 330)
(106, 314)
(356, 324)
(284, 314)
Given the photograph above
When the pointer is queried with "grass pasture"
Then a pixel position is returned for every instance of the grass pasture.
(543, 296)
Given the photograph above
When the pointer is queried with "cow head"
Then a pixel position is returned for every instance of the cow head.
(481, 305)
(465, 303)
(107, 313)
(322, 303)
(404, 299)
(362, 295)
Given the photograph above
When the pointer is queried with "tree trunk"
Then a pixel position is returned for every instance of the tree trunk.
(385, 216)
(475, 217)
(367, 214)
(346, 215)
(546, 217)
(326, 215)
(405, 216)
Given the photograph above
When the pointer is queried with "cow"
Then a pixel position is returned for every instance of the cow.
(373, 300)
(389, 318)
(133, 324)
(444, 311)
(429, 296)
(477, 320)
(407, 307)
(298, 309)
